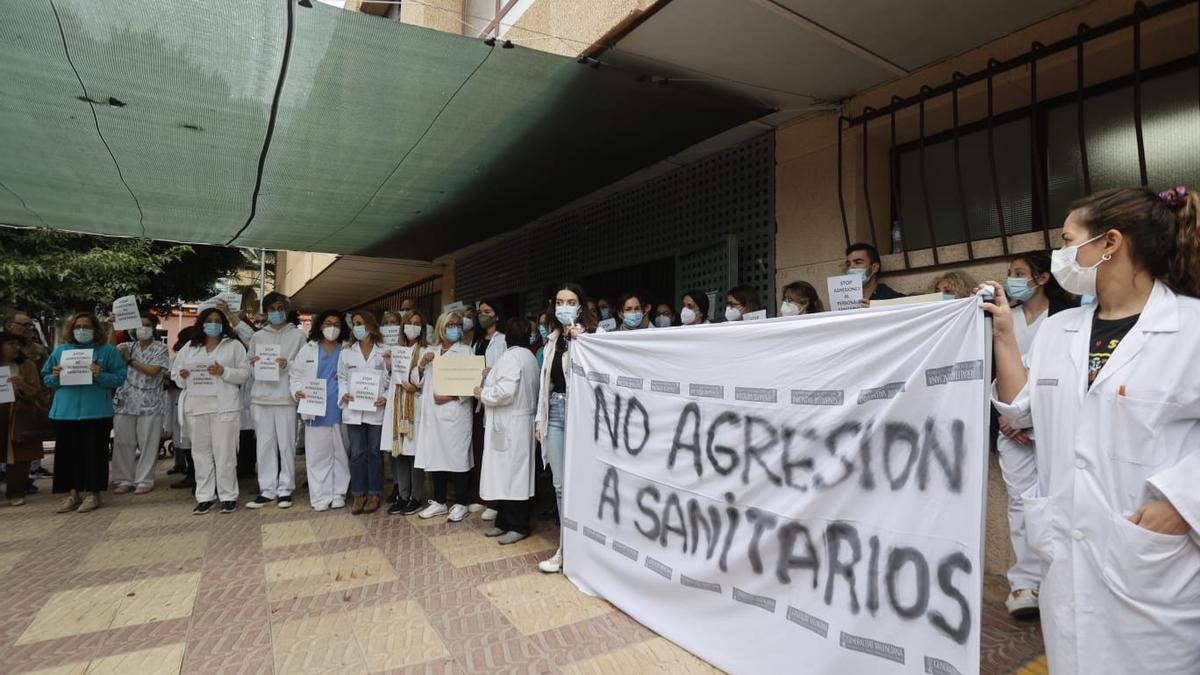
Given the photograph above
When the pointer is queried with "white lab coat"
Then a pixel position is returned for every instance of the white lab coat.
(1116, 598)
(509, 397)
(408, 448)
(495, 350)
(290, 339)
(245, 333)
(352, 360)
(232, 357)
(444, 443)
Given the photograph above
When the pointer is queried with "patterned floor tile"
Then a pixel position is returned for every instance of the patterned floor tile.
(537, 602)
(10, 559)
(315, 575)
(148, 518)
(37, 527)
(97, 608)
(652, 657)
(378, 638)
(157, 661)
(471, 548)
(296, 532)
(139, 551)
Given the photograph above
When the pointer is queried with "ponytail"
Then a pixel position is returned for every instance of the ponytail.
(1184, 272)
(1161, 228)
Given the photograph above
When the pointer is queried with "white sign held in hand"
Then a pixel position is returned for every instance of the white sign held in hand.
(845, 292)
(125, 310)
(266, 368)
(76, 367)
(364, 387)
(314, 401)
(200, 381)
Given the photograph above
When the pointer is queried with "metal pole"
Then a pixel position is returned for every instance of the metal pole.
(262, 277)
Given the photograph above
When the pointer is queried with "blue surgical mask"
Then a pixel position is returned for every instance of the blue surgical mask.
(566, 315)
(1086, 299)
(1018, 289)
(454, 333)
(949, 296)
(213, 329)
(277, 318)
(605, 312)
(544, 332)
(633, 319)
(360, 332)
(83, 335)
(859, 271)
(533, 339)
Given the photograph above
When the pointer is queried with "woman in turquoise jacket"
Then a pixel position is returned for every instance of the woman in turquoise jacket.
(82, 413)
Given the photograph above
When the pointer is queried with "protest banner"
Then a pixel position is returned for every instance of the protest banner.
(76, 367)
(821, 503)
(126, 315)
(845, 292)
(315, 400)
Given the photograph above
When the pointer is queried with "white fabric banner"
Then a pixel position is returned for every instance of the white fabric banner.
(816, 507)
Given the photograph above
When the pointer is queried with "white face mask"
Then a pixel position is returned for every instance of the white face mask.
(687, 316)
(662, 321)
(1072, 277)
(732, 314)
(862, 272)
(331, 333)
(468, 324)
(789, 308)
(145, 333)
(412, 332)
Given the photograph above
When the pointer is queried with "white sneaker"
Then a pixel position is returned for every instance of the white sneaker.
(1022, 602)
(476, 507)
(320, 507)
(552, 565)
(433, 510)
(458, 513)
(338, 503)
(489, 514)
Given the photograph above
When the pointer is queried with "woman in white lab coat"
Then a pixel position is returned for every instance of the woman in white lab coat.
(363, 354)
(399, 439)
(325, 459)
(213, 419)
(1112, 391)
(509, 397)
(1033, 295)
(444, 444)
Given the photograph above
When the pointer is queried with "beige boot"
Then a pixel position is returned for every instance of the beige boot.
(90, 503)
(69, 504)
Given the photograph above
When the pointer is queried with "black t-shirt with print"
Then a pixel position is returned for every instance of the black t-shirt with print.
(1106, 335)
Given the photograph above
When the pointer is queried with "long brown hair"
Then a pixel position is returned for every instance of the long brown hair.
(369, 321)
(586, 319)
(1161, 229)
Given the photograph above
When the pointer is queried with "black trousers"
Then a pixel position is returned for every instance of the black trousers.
(247, 454)
(81, 455)
(514, 515)
(462, 486)
(477, 453)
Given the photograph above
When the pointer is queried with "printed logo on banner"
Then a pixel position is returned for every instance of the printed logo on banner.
(659, 568)
(755, 395)
(880, 393)
(959, 372)
(593, 376)
(801, 618)
(939, 667)
(1047, 383)
(577, 369)
(664, 387)
(760, 601)
(595, 536)
(706, 390)
(702, 585)
(570, 524)
(627, 551)
(818, 397)
(630, 382)
(873, 647)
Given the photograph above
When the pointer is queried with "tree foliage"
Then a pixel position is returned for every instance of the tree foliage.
(53, 273)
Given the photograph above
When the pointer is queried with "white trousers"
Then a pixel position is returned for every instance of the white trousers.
(327, 463)
(214, 453)
(1018, 464)
(275, 432)
(130, 434)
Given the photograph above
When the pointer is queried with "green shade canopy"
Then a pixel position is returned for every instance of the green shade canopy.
(154, 118)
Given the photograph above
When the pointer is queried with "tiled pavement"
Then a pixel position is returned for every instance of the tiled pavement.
(142, 586)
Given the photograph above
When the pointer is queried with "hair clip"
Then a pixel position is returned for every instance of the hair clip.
(1174, 198)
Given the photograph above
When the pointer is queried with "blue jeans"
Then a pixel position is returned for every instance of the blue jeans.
(555, 442)
(366, 462)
